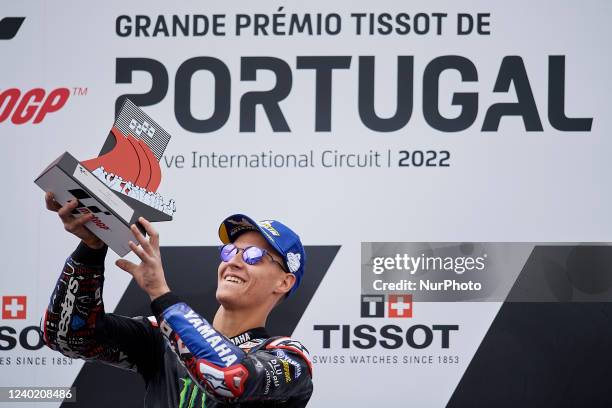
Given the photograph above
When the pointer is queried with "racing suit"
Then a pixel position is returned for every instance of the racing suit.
(176, 350)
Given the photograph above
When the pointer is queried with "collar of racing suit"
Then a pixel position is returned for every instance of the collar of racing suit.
(251, 334)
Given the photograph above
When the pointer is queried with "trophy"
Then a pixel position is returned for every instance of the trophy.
(118, 186)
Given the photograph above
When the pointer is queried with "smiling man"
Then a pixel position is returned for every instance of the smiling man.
(233, 360)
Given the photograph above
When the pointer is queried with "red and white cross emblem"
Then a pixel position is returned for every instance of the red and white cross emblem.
(399, 306)
(14, 307)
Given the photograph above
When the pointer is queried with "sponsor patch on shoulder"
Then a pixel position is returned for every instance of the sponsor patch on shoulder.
(294, 346)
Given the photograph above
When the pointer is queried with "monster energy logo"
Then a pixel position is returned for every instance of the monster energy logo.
(191, 390)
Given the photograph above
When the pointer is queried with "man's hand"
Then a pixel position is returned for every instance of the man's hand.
(75, 226)
(149, 275)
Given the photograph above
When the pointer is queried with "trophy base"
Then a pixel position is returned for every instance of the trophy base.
(66, 178)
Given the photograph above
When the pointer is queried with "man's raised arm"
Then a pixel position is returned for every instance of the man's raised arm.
(75, 322)
(277, 370)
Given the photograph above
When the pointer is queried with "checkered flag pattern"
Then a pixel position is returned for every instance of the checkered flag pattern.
(132, 120)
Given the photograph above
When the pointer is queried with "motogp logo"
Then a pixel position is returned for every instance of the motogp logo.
(32, 105)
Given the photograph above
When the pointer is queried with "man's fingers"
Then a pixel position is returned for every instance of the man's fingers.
(153, 234)
(144, 257)
(50, 202)
(65, 212)
(144, 242)
(126, 265)
(78, 222)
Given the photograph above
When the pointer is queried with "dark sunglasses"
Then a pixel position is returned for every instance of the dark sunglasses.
(250, 255)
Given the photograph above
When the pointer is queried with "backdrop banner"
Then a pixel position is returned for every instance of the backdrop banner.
(446, 165)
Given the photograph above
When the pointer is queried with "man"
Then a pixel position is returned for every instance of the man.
(233, 360)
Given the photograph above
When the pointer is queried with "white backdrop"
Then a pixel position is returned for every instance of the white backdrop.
(507, 185)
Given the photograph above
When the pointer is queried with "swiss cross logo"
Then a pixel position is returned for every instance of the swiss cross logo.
(395, 305)
(14, 307)
(399, 306)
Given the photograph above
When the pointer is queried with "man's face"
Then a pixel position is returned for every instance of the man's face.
(241, 285)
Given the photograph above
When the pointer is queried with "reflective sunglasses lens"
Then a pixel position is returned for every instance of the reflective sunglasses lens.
(252, 255)
(227, 252)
